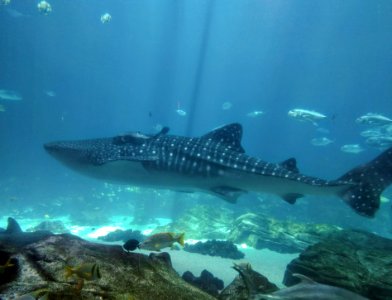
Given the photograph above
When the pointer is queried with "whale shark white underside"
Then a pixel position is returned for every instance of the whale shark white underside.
(217, 164)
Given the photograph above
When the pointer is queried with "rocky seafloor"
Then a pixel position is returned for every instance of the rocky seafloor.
(34, 263)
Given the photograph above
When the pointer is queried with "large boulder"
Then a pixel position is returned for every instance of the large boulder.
(202, 222)
(355, 260)
(40, 267)
(260, 231)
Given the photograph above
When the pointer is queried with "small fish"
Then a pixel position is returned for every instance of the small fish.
(88, 271)
(2, 108)
(373, 119)
(50, 93)
(227, 105)
(308, 289)
(379, 141)
(10, 95)
(131, 245)
(322, 130)
(106, 18)
(352, 148)
(306, 115)
(371, 133)
(162, 240)
(321, 141)
(44, 8)
(181, 112)
(6, 266)
(14, 13)
(254, 114)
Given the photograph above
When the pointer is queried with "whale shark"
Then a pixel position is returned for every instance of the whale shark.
(216, 163)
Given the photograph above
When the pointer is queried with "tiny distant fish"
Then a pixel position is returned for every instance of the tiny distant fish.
(181, 112)
(131, 245)
(14, 13)
(371, 133)
(352, 148)
(227, 105)
(5, 2)
(379, 141)
(10, 95)
(321, 141)
(88, 271)
(50, 93)
(162, 240)
(44, 7)
(373, 119)
(254, 114)
(322, 130)
(306, 115)
(106, 18)
(2, 108)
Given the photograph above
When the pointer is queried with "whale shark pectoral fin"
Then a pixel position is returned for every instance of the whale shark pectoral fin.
(292, 197)
(227, 193)
(13, 226)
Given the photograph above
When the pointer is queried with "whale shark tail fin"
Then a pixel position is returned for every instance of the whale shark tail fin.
(368, 182)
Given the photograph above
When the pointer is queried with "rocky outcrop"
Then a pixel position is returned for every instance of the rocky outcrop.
(260, 232)
(40, 268)
(247, 284)
(225, 249)
(355, 260)
(206, 282)
(202, 222)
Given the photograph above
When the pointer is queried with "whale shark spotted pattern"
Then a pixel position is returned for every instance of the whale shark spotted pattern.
(216, 163)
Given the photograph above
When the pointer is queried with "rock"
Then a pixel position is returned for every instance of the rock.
(260, 232)
(41, 267)
(351, 259)
(52, 226)
(206, 282)
(123, 235)
(202, 222)
(224, 249)
(247, 284)
(14, 238)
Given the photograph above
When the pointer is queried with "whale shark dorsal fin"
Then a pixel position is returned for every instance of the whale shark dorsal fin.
(229, 135)
(290, 164)
(13, 226)
(304, 279)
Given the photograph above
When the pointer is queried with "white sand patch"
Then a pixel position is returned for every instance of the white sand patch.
(270, 264)
(102, 231)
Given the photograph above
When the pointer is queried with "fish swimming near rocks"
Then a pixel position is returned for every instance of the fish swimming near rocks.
(87, 271)
(216, 163)
(161, 240)
(308, 289)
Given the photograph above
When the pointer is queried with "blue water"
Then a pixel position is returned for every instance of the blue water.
(155, 57)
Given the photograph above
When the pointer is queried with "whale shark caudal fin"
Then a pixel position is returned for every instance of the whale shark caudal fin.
(369, 181)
